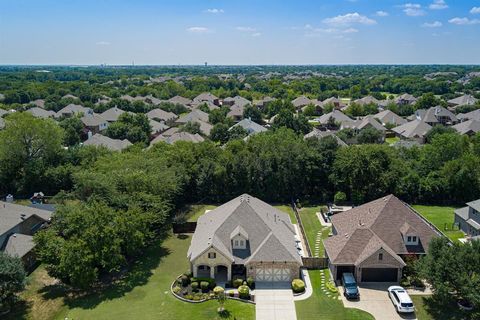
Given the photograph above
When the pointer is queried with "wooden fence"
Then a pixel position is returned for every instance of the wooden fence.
(315, 263)
(302, 230)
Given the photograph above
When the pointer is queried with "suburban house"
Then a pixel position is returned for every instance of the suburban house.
(112, 114)
(17, 226)
(38, 112)
(99, 140)
(40, 103)
(206, 97)
(390, 117)
(413, 130)
(180, 100)
(238, 100)
(236, 112)
(208, 104)
(161, 115)
(261, 104)
(250, 126)
(337, 103)
(94, 123)
(158, 127)
(178, 136)
(465, 100)
(245, 237)
(367, 100)
(365, 122)
(468, 218)
(405, 99)
(318, 134)
(436, 115)
(73, 109)
(372, 240)
(336, 116)
(193, 116)
(472, 115)
(469, 127)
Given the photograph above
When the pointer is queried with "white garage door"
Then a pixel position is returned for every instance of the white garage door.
(272, 274)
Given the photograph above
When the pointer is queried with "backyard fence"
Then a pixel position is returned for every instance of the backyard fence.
(302, 230)
(315, 263)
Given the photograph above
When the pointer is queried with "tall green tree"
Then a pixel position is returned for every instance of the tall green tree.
(12, 280)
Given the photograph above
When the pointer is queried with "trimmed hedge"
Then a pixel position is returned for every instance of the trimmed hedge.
(298, 286)
(211, 282)
(204, 286)
(237, 283)
(244, 292)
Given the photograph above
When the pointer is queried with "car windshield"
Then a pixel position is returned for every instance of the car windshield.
(350, 285)
(407, 305)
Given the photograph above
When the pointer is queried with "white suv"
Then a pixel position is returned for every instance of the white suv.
(401, 299)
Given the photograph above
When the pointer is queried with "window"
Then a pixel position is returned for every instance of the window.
(236, 243)
(414, 239)
(409, 239)
(241, 243)
(212, 255)
(380, 256)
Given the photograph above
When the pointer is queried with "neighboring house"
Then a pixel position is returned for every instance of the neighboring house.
(413, 130)
(372, 240)
(99, 140)
(465, 100)
(94, 123)
(161, 115)
(38, 112)
(367, 100)
(236, 113)
(245, 237)
(250, 126)
(468, 218)
(158, 127)
(391, 117)
(112, 114)
(315, 133)
(336, 115)
(365, 122)
(205, 127)
(178, 136)
(436, 115)
(337, 103)
(40, 103)
(206, 97)
(238, 100)
(301, 102)
(472, 115)
(193, 116)
(261, 104)
(103, 100)
(73, 109)
(209, 105)
(17, 225)
(405, 99)
(469, 127)
(180, 100)
(407, 144)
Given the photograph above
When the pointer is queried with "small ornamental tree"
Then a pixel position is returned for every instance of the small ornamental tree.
(12, 280)
(221, 298)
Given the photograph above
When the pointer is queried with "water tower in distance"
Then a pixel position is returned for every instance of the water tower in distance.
(206, 64)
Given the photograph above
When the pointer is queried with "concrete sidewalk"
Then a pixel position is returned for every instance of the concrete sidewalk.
(274, 301)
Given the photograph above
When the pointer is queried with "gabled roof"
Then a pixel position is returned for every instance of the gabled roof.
(466, 99)
(19, 245)
(364, 123)
(210, 105)
(315, 133)
(301, 101)
(193, 116)
(39, 103)
(236, 111)
(388, 116)
(270, 232)
(99, 140)
(206, 96)
(112, 114)
(73, 109)
(180, 100)
(93, 120)
(386, 218)
(178, 136)
(249, 125)
(41, 113)
(337, 115)
(431, 115)
(13, 214)
(239, 231)
(413, 129)
(238, 100)
(161, 115)
(475, 115)
(406, 97)
(366, 100)
(158, 126)
(468, 127)
(474, 204)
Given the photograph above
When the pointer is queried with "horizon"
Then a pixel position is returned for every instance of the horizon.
(220, 32)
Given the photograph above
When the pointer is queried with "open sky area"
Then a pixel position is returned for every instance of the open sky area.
(239, 32)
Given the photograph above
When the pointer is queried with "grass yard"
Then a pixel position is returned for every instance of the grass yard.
(312, 227)
(326, 307)
(287, 209)
(391, 140)
(442, 218)
(428, 309)
(197, 210)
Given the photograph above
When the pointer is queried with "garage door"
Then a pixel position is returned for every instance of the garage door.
(272, 274)
(379, 274)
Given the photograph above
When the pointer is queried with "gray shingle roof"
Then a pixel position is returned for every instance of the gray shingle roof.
(99, 140)
(413, 129)
(161, 115)
(388, 116)
(178, 136)
(73, 109)
(93, 120)
(180, 100)
(41, 113)
(337, 115)
(251, 126)
(19, 245)
(367, 100)
(193, 116)
(474, 204)
(368, 121)
(112, 114)
(475, 115)
(468, 127)
(270, 232)
(315, 133)
(158, 126)
(11, 215)
(466, 99)
(238, 100)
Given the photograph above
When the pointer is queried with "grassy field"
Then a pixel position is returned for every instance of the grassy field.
(287, 209)
(428, 309)
(442, 218)
(322, 306)
(197, 210)
(391, 140)
(312, 227)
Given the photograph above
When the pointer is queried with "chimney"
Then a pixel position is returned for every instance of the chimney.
(89, 134)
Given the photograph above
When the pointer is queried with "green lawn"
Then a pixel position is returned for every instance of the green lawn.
(428, 309)
(442, 218)
(197, 210)
(322, 306)
(391, 140)
(287, 209)
(312, 226)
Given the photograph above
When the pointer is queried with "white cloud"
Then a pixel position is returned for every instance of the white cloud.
(438, 5)
(214, 11)
(381, 13)
(475, 10)
(349, 19)
(256, 34)
(413, 9)
(310, 31)
(198, 30)
(435, 24)
(464, 21)
(246, 29)
(103, 43)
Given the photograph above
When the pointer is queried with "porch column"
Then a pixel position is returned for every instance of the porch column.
(212, 272)
(195, 271)
(229, 272)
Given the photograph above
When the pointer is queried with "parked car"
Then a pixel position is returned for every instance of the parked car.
(401, 300)
(350, 288)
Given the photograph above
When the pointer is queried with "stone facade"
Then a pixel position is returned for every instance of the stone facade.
(219, 260)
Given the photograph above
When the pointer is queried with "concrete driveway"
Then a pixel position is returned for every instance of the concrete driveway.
(374, 299)
(274, 301)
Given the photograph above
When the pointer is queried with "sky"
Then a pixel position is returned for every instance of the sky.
(239, 32)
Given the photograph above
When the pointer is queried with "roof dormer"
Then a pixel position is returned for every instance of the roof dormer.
(239, 238)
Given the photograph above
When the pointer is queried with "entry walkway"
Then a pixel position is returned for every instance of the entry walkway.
(274, 301)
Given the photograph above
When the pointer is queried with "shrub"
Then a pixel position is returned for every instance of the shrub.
(298, 286)
(218, 290)
(231, 293)
(250, 282)
(204, 286)
(184, 280)
(211, 282)
(340, 197)
(243, 292)
(237, 283)
(188, 274)
(198, 297)
(177, 290)
(194, 286)
(405, 282)
(188, 297)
